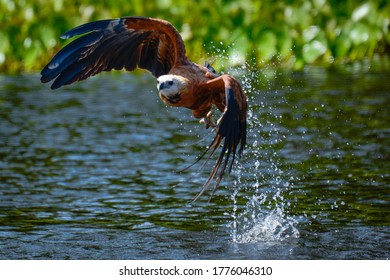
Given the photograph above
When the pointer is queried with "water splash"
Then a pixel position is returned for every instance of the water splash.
(262, 187)
(260, 222)
(260, 204)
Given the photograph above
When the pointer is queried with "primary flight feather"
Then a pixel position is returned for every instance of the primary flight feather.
(155, 45)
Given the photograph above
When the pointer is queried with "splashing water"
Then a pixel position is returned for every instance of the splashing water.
(260, 209)
(261, 221)
(265, 214)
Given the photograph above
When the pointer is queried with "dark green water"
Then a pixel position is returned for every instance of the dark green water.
(89, 171)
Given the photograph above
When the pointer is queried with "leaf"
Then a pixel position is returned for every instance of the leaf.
(342, 46)
(267, 45)
(284, 44)
(5, 44)
(310, 33)
(313, 50)
(360, 33)
(361, 12)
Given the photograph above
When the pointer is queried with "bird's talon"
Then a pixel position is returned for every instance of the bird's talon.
(219, 121)
(203, 120)
(208, 122)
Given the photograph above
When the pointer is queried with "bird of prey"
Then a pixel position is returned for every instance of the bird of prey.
(155, 45)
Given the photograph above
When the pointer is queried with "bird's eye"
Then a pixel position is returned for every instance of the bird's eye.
(158, 82)
(170, 83)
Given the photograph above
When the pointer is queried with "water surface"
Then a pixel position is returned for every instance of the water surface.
(89, 171)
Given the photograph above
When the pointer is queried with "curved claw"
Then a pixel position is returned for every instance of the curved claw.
(208, 121)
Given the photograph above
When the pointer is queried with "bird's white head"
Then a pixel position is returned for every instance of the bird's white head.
(170, 88)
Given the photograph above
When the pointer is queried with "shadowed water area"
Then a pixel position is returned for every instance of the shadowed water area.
(90, 171)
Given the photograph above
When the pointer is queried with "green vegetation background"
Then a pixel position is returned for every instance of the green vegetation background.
(291, 33)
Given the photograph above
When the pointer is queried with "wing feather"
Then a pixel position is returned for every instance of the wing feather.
(231, 129)
(128, 42)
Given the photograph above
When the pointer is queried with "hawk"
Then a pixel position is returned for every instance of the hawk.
(155, 45)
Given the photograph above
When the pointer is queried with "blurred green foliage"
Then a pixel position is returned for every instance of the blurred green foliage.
(292, 33)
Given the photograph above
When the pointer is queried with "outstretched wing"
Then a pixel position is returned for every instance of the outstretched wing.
(231, 129)
(128, 42)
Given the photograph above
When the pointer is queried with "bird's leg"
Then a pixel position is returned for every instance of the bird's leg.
(208, 120)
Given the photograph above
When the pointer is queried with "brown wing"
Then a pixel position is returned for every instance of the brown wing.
(231, 130)
(128, 42)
